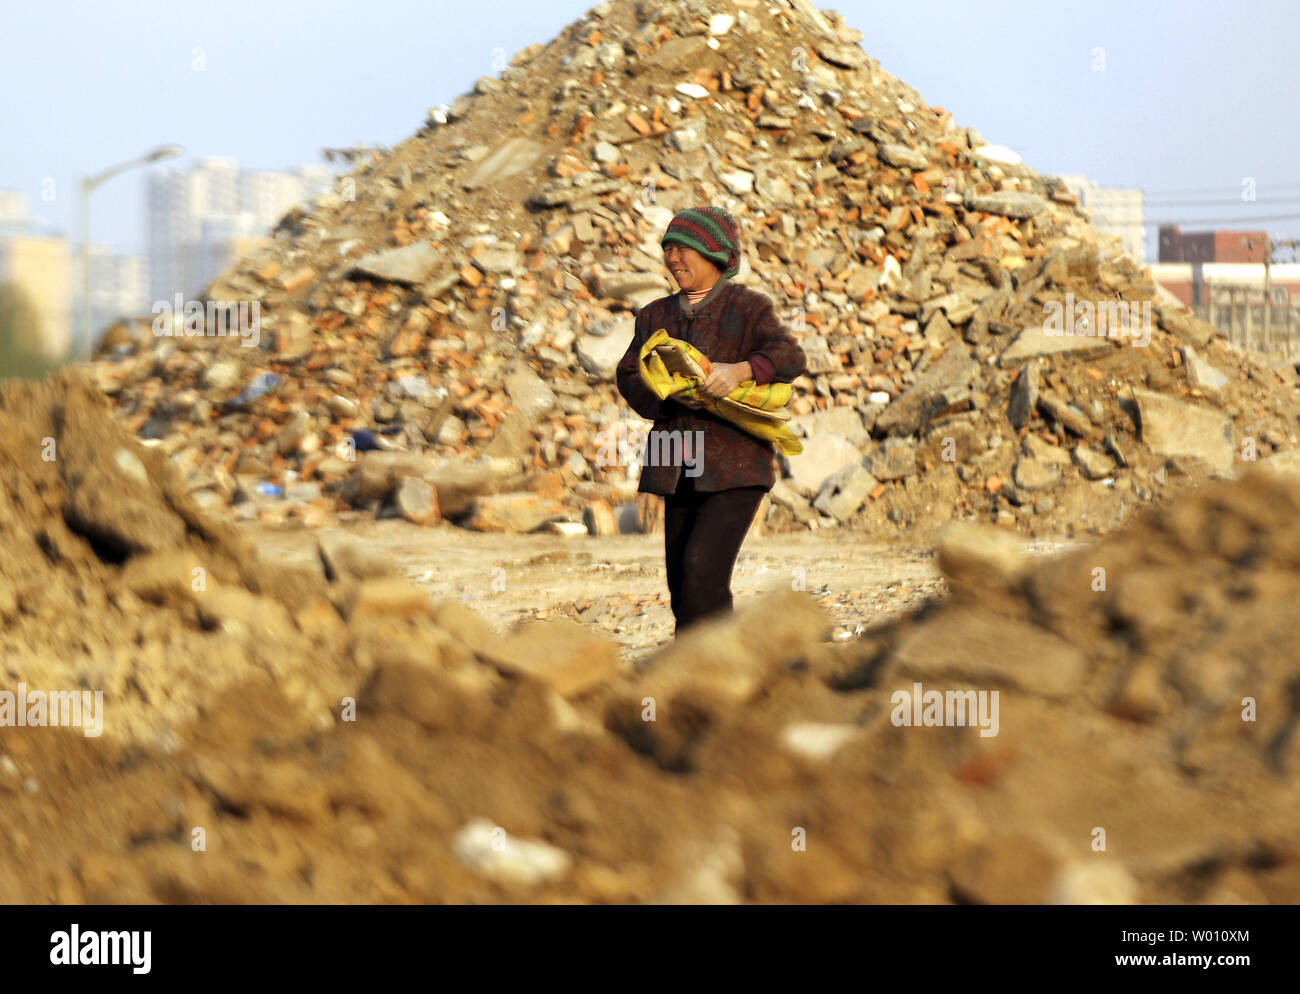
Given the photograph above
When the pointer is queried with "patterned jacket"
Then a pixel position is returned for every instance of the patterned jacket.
(731, 324)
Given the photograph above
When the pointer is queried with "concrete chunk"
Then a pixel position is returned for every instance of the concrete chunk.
(410, 264)
(1174, 428)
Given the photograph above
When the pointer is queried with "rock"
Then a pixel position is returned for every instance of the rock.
(1092, 464)
(1052, 455)
(1024, 395)
(1179, 320)
(1066, 415)
(844, 56)
(732, 657)
(222, 375)
(957, 306)
(1093, 882)
(600, 354)
(529, 392)
(567, 656)
(558, 195)
(599, 520)
(450, 431)
(511, 157)
(817, 740)
(689, 137)
(104, 498)
(1034, 474)
(377, 472)
(904, 157)
(977, 558)
(738, 181)
(936, 389)
(498, 259)
(294, 338)
(1014, 869)
(894, 459)
(466, 626)
(844, 492)
(1017, 206)
(416, 501)
(839, 420)
(676, 53)
(161, 578)
(459, 484)
(511, 512)
(1201, 375)
(411, 264)
(987, 650)
(491, 852)
(1174, 428)
(1034, 340)
(394, 597)
(513, 438)
(346, 557)
(822, 456)
(637, 289)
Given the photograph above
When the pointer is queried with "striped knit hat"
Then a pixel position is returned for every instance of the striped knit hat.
(711, 231)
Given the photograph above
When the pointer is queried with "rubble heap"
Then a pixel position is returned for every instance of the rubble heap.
(464, 298)
(332, 734)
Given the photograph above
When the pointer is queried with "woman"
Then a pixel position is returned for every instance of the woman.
(710, 501)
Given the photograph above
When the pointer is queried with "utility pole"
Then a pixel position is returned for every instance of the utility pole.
(87, 187)
(1268, 291)
(1270, 246)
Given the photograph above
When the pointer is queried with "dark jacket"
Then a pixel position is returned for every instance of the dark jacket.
(731, 324)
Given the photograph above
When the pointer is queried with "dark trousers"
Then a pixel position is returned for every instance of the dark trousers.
(702, 537)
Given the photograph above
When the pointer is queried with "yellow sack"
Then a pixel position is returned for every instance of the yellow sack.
(671, 367)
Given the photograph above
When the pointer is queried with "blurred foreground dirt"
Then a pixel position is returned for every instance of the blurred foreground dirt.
(478, 765)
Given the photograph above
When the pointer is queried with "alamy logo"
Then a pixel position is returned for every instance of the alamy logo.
(194, 319)
(632, 446)
(1099, 319)
(77, 948)
(58, 708)
(954, 708)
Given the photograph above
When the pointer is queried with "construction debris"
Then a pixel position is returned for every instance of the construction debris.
(470, 296)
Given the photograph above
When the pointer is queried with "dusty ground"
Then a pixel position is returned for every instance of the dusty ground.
(616, 584)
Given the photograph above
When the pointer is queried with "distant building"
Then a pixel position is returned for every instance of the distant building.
(1231, 296)
(201, 216)
(1113, 210)
(119, 288)
(1177, 245)
(14, 219)
(268, 196)
(13, 203)
(41, 267)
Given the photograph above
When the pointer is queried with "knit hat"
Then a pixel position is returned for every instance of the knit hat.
(711, 231)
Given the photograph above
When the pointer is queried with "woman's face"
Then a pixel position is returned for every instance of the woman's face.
(690, 269)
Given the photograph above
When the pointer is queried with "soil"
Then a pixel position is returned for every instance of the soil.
(278, 736)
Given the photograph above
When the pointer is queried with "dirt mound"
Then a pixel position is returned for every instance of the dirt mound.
(976, 350)
(334, 735)
(114, 580)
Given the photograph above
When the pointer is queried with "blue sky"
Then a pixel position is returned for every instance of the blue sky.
(1194, 95)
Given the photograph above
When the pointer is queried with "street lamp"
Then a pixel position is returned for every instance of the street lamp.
(87, 187)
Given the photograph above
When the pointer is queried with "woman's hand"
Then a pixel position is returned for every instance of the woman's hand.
(726, 376)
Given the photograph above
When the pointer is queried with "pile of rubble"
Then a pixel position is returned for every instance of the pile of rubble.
(333, 734)
(462, 301)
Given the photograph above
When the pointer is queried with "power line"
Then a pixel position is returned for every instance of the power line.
(1220, 189)
(1214, 220)
(1223, 202)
